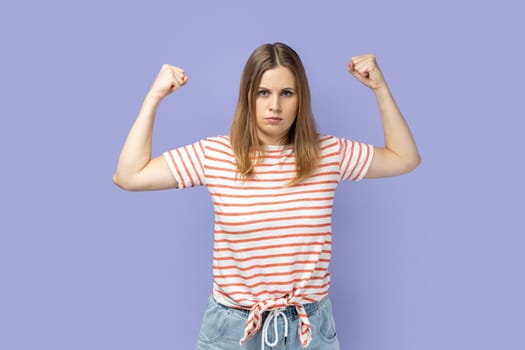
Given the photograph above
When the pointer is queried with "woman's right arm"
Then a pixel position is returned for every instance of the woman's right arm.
(136, 171)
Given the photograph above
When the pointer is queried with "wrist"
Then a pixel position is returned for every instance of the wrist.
(153, 98)
(381, 90)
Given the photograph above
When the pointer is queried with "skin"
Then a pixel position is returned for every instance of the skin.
(276, 105)
(137, 171)
(400, 154)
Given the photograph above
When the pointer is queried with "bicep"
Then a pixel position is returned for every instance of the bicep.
(386, 163)
(156, 175)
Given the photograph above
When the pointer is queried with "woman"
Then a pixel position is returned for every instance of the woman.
(272, 182)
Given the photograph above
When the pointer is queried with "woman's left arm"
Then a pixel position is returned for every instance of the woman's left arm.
(399, 155)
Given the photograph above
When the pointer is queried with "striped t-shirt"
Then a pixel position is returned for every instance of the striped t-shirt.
(272, 243)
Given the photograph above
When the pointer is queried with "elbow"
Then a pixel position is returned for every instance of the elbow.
(406, 164)
(117, 180)
(412, 163)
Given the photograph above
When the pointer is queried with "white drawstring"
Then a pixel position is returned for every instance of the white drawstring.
(273, 315)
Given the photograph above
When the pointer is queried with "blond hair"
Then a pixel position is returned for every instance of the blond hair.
(302, 134)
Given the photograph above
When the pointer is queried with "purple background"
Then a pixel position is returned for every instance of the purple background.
(430, 260)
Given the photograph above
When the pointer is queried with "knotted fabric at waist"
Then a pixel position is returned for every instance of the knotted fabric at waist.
(255, 319)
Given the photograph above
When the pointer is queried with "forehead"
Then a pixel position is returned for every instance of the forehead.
(278, 77)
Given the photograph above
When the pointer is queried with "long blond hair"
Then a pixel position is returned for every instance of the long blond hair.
(302, 134)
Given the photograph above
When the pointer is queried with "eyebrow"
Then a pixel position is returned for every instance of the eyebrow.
(286, 88)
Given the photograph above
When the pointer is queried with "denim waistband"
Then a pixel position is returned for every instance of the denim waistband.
(290, 311)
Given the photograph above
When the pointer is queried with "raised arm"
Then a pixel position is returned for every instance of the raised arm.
(136, 171)
(400, 154)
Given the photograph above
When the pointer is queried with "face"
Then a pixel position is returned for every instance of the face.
(276, 105)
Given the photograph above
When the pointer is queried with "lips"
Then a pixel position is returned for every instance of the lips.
(273, 119)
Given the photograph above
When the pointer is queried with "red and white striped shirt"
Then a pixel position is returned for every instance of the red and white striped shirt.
(272, 243)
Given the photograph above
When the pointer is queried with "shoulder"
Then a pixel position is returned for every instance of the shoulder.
(221, 140)
(218, 145)
(327, 139)
(329, 143)
(216, 141)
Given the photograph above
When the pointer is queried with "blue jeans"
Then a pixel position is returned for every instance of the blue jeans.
(223, 327)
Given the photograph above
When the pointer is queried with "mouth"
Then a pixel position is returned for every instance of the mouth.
(273, 119)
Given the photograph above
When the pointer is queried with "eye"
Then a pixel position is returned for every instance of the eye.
(263, 92)
(287, 93)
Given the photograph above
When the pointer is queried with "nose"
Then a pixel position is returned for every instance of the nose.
(275, 104)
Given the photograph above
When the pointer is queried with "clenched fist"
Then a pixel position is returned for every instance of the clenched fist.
(169, 79)
(365, 69)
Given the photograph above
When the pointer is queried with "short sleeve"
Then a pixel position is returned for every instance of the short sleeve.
(355, 159)
(187, 164)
